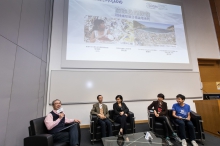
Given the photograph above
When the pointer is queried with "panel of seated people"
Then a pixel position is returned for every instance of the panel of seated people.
(180, 123)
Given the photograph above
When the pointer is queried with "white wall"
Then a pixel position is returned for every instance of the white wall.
(202, 43)
(84, 86)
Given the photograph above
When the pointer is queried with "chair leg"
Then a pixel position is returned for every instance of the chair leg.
(133, 125)
(201, 134)
(93, 132)
(93, 141)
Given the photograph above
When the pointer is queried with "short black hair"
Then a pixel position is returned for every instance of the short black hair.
(98, 96)
(181, 96)
(55, 100)
(161, 95)
(119, 96)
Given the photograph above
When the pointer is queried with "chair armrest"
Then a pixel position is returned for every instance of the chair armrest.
(195, 118)
(93, 123)
(151, 113)
(29, 131)
(151, 120)
(39, 140)
(131, 114)
(132, 120)
(93, 117)
(194, 115)
(197, 121)
(131, 117)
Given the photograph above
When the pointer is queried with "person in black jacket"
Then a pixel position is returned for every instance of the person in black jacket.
(160, 111)
(121, 114)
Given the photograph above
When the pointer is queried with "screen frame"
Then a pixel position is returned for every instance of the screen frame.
(78, 64)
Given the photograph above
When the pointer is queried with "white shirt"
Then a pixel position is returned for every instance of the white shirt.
(100, 105)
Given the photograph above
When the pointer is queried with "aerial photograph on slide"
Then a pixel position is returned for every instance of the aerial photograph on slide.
(130, 32)
(106, 30)
(154, 34)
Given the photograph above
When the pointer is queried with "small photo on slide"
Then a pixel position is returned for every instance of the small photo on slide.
(106, 30)
(154, 34)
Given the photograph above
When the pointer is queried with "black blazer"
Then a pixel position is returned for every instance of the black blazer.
(154, 105)
(117, 109)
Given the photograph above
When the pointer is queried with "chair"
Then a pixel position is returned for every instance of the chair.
(157, 127)
(38, 135)
(95, 128)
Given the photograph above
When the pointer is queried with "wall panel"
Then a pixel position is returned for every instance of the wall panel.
(31, 30)
(10, 11)
(7, 59)
(24, 97)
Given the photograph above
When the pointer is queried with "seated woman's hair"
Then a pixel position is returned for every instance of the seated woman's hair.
(119, 96)
(161, 96)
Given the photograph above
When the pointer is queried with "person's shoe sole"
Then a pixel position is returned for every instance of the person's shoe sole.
(178, 141)
(169, 142)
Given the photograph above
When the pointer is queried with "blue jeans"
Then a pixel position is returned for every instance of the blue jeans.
(70, 135)
(182, 131)
(105, 123)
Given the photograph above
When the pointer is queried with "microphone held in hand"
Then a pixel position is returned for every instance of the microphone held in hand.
(60, 110)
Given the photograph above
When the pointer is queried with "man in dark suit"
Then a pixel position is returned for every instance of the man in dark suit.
(160, 111)
(101, 110)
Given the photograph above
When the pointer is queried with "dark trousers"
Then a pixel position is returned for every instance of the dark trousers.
(166, 124)
(105, 123)
(182, 131)
(122, 121)
(70, 135)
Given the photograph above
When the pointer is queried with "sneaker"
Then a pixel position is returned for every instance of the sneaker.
(168, 141)
(184, 142)
(193, 142)
(177, 139)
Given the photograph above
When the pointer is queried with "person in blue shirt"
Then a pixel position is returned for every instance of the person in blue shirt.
(181, 113)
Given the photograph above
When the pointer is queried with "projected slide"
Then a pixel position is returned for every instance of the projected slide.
(126, 31)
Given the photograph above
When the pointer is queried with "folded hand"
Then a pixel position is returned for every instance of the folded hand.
(77, 121)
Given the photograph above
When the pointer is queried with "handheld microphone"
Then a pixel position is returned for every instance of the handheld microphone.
(60, 110)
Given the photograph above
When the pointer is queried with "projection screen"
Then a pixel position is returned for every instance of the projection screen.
(125, 34)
